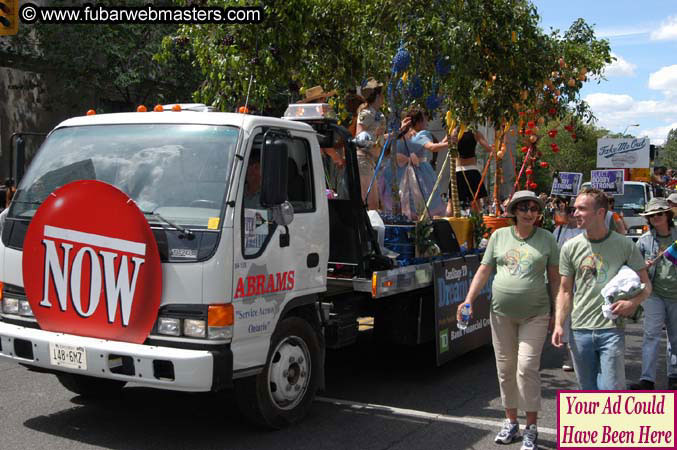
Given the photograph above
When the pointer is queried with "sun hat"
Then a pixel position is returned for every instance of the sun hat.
(523, 196)
(673, 198)
(656, 205)
(316, 93)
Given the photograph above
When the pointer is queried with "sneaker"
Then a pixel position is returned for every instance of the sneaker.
(643, 385)
(509, 433)
(530, 438)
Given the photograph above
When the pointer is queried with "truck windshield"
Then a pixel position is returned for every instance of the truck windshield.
(177, 171)
(632, 198)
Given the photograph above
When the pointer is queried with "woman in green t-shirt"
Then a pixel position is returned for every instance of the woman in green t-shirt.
(520, 256)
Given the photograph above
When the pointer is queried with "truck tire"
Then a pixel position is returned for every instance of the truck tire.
(90, 387)
(283, 392)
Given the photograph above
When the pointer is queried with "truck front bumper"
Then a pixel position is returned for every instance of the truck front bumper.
(150, 365)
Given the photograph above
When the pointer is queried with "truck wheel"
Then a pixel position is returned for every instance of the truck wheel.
(283, 392)
(91, 387)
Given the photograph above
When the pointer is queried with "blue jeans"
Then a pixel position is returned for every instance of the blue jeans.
(657, 312)
(599, 358)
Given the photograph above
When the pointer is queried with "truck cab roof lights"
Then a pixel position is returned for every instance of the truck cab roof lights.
(158, 108)
(243, 110)
(309, 111)
(141, 108)
(194, 107)
(91, 112)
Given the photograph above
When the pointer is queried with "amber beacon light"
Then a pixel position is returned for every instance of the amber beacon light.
(9, 17)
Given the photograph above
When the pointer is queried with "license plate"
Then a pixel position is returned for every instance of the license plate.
(67, 356)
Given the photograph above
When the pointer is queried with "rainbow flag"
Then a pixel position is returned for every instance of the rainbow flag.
(671, 253)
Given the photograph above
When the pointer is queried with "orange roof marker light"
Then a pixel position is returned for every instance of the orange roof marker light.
(243, 110)
(91, 112)
(158, 108)
(176, 108)
(141, 108)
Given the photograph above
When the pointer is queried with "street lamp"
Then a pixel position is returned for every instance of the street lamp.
(631, 125)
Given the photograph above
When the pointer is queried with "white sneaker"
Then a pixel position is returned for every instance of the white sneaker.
(509, 433)
(530, 438)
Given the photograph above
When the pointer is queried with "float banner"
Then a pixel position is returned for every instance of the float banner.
(567, 184)
(615, 419)
(623, 153)
(452, 281)
(609, 181)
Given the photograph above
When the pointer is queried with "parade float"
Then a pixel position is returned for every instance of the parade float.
(525, 91)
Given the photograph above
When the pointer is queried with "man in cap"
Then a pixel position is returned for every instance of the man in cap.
(588, 262)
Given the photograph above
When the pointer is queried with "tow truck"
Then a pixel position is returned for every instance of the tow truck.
(192, 250)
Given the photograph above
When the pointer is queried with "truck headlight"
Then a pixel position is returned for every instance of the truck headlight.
(194, 328)
(220, 333)
(10, 305)
(169, 326)
(220, 320)
(25, 308)
(214, 322)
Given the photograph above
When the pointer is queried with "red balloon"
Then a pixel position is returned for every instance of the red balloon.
(525, 149)
(529, 171)
(102, 262)
(531, 124)
(544, 164)
(533, 186)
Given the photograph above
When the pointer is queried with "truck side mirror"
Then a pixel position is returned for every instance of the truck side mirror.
(274, 156)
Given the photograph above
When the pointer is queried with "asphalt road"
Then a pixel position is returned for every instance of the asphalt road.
(377, 397)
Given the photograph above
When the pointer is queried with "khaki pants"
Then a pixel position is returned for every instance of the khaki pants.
(518, 344)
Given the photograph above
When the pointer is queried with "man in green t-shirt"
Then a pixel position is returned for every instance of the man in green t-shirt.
(587, 263)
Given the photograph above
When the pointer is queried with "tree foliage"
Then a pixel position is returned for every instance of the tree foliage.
(574, 154)
(117, 62)
(497, 60)
(668, 154)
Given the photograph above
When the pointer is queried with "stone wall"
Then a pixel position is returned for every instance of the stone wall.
(25, 106)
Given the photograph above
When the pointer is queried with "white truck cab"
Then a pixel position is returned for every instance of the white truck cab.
(220, 251)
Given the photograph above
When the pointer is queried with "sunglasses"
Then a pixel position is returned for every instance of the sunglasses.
(524, 209)
(658, 214)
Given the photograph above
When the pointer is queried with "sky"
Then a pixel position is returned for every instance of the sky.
(641, 85)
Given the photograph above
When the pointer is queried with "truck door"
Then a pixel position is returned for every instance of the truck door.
(268, 272)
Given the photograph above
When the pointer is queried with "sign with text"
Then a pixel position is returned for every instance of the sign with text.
(452, 281)
(610, 181)
(621, 153)
(91, 264)
(566, 184)
(615, 419)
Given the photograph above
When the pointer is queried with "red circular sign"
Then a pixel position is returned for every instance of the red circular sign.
(91, 266)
